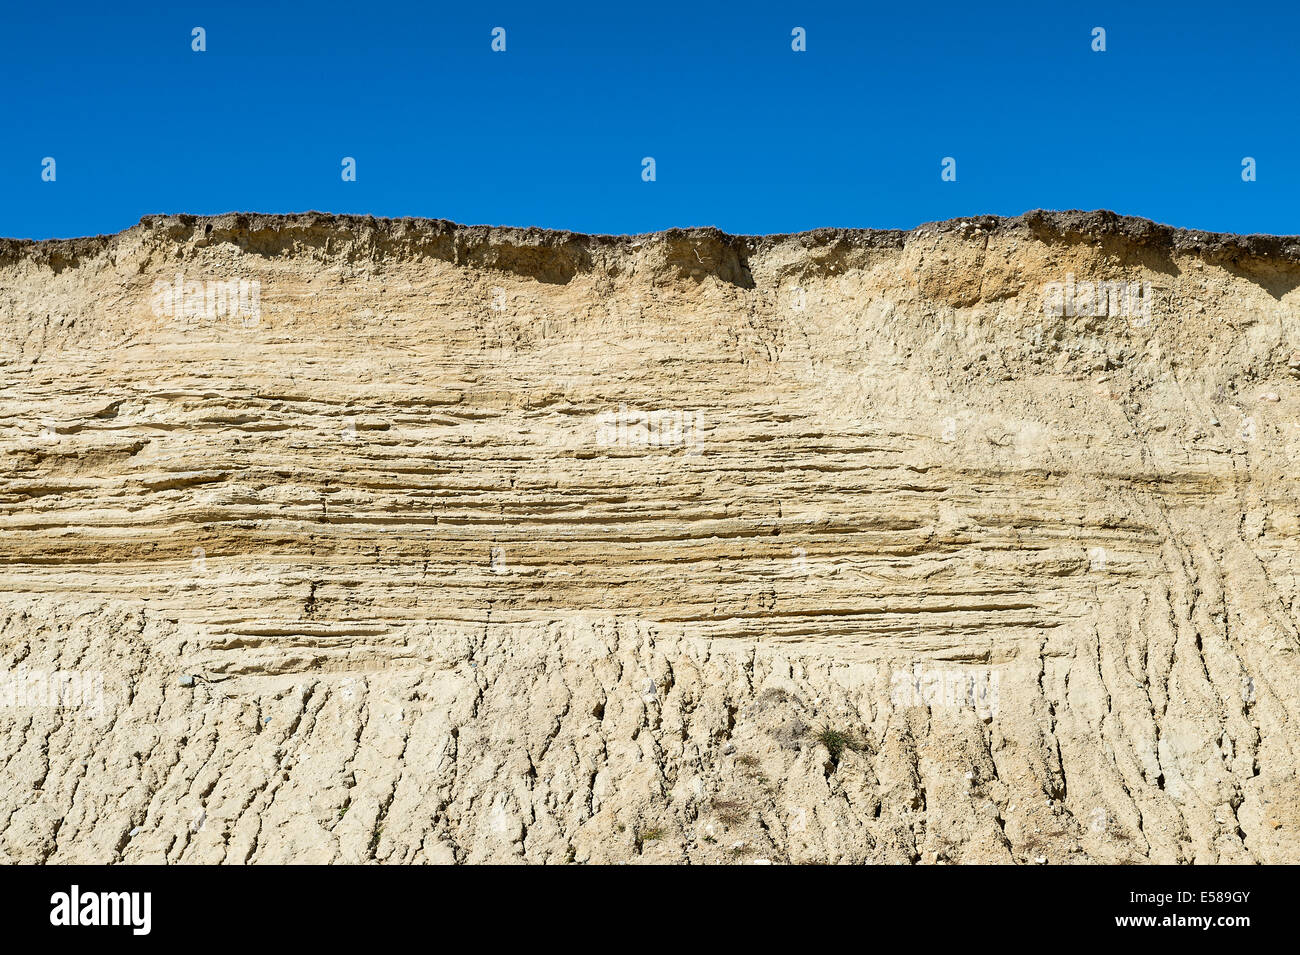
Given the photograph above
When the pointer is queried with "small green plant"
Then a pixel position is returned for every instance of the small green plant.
(651, 834)
(836, 741)
(748, 761)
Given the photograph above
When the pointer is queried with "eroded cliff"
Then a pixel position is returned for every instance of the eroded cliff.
(433, 543)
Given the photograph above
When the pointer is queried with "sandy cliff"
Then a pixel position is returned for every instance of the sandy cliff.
(432, 543)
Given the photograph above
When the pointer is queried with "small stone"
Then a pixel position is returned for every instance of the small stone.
(187, 680)
(1268, 396)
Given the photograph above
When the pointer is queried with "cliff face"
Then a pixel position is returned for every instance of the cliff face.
(429, 543)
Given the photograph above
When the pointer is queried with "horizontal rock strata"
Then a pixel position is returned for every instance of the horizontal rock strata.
(434, 543)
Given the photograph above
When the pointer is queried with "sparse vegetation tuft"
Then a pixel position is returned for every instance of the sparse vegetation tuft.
(730, 812)
(836, 741)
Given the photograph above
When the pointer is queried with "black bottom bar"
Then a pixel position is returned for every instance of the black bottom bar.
(302, 905)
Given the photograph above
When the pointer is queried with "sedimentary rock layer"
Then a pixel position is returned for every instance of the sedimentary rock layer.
(433, 543)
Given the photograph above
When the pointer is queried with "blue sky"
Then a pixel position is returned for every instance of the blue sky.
(746, 134)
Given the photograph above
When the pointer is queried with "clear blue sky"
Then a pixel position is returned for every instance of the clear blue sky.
(747, 135)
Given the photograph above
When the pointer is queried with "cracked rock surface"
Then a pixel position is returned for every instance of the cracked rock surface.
(463, 544)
